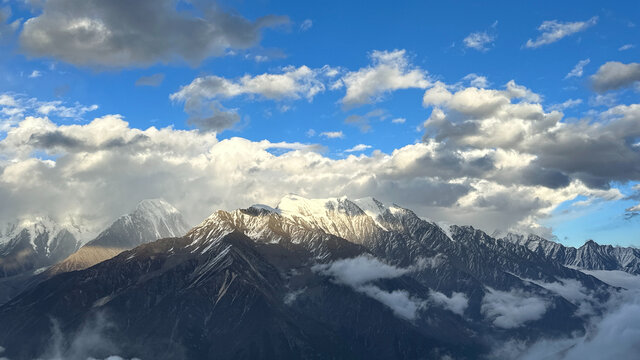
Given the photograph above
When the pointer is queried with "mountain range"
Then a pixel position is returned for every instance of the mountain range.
(311, 278)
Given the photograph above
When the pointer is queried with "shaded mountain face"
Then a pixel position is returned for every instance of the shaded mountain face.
(330, 278)
(151, 220)
(34, 248)
(590, 256)
(28, 245)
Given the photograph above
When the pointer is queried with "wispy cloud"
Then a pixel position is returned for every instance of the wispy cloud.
(358, 148)
(578, 70)
(306, 25)
(626, 47)
(553, 30)
(332, 134)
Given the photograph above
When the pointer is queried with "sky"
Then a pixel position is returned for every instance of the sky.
(508, 116)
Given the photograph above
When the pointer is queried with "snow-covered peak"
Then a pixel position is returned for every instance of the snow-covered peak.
(308, 209)
(36, 225)
(154, 208)
(371, 207)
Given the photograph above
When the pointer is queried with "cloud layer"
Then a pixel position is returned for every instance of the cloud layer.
(120, 33)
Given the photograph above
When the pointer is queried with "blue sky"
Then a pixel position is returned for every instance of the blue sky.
(343, 36)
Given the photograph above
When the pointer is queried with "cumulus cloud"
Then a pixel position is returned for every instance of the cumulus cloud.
(480, 164)
(578, 70)
(359, 272)
(512, 309)
(202, 96)
(615, 75)
(512, 119)
(476, 80)
(553, 30)
(389, 71)
(117, 34)
(457, 303)
(292, 83)
(479, 41)
(151, 80)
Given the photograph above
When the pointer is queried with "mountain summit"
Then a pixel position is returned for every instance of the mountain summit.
(151, 219)
(30, 244)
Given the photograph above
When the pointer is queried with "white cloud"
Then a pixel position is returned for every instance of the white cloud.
(457, 303)
(35, 74)
(476, 80)
(306, 25)
(626, 47)
(613, 335)
(389, 72)
(488, 159)
(512, 309)
(359, 272)
(333, 134)
(14, 107)
(615, 75)
(578, 70)
(616, 278)
(479, 41)
(554, 30)
(399, 120)
(358, 148)
(292, 83)
(566, 105)
(203, 95)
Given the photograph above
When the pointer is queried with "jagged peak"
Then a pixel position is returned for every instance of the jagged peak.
(590, 243)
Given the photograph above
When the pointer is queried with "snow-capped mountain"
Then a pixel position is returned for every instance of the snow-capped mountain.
(151, 219)
(309, 278)
(590, 256)
(30, 244)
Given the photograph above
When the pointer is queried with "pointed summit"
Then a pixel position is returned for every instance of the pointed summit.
(151, 219)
